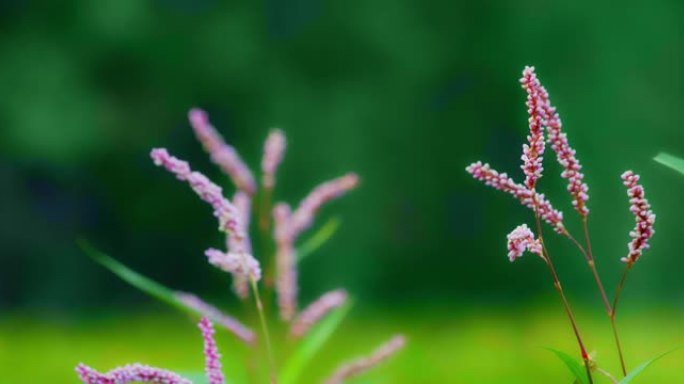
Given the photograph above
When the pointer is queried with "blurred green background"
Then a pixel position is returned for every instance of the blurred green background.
(406, 93)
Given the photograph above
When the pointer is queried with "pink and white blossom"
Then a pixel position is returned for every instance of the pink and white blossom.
(316, 311)
(643, 215)
(222, 154)
(216, 315)
(243, 204)
(274, 149)
(286, 265)
(212, 357)
(522, 239)
(527, 197)
(236, 263)
(363, 364)
(534, 149)
(131, 373)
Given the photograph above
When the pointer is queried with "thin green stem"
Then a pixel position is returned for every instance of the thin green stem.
(264, 328)
(618, 292)
(559, 288)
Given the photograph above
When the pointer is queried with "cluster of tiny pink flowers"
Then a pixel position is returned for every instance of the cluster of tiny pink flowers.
(286, 282)
(274, 149)
(644, 217)
(527, 197)
(316, 311)
(572, 170)
(212, 357)
(222, 154)
(207, 310)
(303, 216)
(522, 239)
(243, 204)
(224, 211)
(356, 367)
(132, 373)
(238, 264)
(533, 151)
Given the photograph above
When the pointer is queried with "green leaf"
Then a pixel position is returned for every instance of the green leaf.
(133, 278)
(576, 368)
(670, 161)
(310, 345)
(638, 370)
(318, 239)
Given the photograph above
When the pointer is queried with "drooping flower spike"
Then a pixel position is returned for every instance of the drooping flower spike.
(132, 373)
(572, 170)
(274, 149)
(363, 364)
(643, 215)
(238, 264)
(224, 210)
(534, 149)
(527, 197)
(217, 316)
(222, 154)
(522, 239)
(316, 311)
(212, 363)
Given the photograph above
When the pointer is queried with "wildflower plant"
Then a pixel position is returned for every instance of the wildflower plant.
(545, 127)
(275, 271)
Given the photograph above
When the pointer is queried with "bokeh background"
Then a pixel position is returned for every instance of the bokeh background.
(406, 94)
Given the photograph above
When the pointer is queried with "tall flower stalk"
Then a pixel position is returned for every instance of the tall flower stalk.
(542, 114)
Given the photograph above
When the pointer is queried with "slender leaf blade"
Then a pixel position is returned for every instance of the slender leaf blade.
(670, 161)
(318, 239)
(310, 345)
(576, 368)
(640, 369)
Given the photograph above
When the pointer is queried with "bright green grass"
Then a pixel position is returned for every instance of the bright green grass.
(470, 345)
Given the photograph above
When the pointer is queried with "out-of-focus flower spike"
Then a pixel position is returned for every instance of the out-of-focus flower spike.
(212, 357)
(222, 154)
(131, 373)
(243, 204)
(522, 239)
(527, 197)
(302, 218)
(317, 311)
(533, 151)
(241, 263)
(572, 170)
(274, 149)
(361, 365)
(643, 215)
(224, 211)
(217, 316)
(286, 265)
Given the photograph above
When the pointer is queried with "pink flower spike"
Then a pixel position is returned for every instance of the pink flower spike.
(212, 357)
(316, 311)
(643, 215)
(137, 373)
(286, 265)
(572, 170)
(303, 217)
(235, 263)
(521, 240)
(361, 365)
(224, 211)
(222, 154)
(243, 204)
(527, 197)
(533, 151)
(274, 149)
(234, 326)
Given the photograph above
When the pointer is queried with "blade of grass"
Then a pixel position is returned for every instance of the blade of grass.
(310, 345)
(318, 239)
(638, 370)
(670, 161)
(576, 368)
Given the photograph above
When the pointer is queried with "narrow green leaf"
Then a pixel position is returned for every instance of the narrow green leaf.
(133, 278)
(576, 368)
(318, 239)
(310, 345)
(670, 161)
(638, 370)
